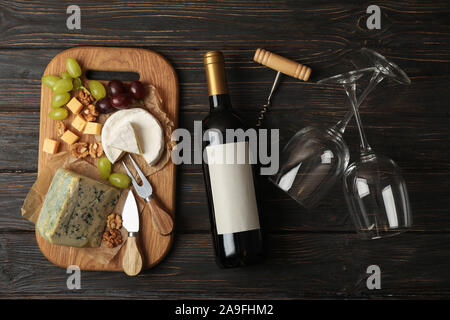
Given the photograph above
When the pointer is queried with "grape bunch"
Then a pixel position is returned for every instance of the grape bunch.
(116, 96)
(120, 97)
(61, 87)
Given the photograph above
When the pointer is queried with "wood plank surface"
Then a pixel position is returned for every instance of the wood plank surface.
(312, 254)
(190, 271)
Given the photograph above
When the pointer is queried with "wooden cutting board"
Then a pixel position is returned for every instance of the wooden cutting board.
(153, 69)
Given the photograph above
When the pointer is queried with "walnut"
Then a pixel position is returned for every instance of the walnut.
(90, 113)
(85, 97)
(95, 149)
(114, 221)
(112, 237)
(79, 149)
(60, 128)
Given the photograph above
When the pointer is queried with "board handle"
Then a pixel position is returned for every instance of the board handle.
(132, 260)
(161, 219)
(282, 64)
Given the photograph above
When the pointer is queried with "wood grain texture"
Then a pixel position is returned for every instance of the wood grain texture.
(313, 255)
(282, 64)
(132, 258)
(299, 265)
(153, 69)
(161, 219)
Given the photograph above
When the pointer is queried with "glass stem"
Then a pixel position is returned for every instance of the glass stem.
(350, 89)
(342, 124)
(377, 77)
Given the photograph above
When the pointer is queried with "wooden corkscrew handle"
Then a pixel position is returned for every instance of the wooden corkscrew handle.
(282, 64)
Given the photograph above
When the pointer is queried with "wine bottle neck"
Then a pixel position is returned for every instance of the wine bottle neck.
(216, 79)
(219, 102)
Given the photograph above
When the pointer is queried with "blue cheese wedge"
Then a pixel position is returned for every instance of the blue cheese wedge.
(75, 210)
(126, 140)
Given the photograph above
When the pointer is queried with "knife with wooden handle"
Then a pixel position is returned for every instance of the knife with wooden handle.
(132, 260)
(161, 219)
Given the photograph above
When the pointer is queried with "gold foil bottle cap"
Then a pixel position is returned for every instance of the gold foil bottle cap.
(213, 57)
(215, 73)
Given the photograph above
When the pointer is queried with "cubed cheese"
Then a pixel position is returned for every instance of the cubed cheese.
(75, 210)
(50, 146)
(74, 105)
(93, 128)
(79, 123)
(69, 137)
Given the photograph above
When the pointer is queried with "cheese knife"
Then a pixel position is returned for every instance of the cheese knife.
(132, 260)
(161, 219)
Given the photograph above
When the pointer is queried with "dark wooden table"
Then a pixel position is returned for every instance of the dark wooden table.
(312, 254)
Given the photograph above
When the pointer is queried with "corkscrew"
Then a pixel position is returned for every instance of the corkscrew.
(281, 65)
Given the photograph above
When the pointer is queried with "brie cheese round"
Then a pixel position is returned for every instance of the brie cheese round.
(146, 127)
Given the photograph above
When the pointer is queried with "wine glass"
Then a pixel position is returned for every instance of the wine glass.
(382, 68)
(374, 188)
(310, 164)
(315, 158)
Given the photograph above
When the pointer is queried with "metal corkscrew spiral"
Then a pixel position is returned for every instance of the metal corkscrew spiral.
(281, 65)
(265, 107)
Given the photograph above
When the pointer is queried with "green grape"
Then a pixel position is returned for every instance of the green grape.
(49, 81)
(73, 68)
(59, 114)
(120, 180)
(60, 99)
(62, 85)
(97, 89)
(104, 167)
(77, 84)
(66, 75)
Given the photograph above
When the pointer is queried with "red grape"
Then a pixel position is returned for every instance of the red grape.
(137, 90)
(121, 101)
(116, 87)
(104, 105)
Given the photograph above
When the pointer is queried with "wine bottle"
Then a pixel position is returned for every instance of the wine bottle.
(231, 187)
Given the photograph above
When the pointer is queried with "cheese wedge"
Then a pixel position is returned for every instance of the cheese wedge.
(126, 140)
(146, 127)
(75, 210)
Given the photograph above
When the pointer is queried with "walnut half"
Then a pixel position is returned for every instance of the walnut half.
(90, 113)
(114, 221)
(95, 150)
(85, 98)
(79, 149)
(60, 128)
(112, 237)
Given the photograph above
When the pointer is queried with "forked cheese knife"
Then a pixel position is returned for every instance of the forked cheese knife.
(161, 219)
(132, 260)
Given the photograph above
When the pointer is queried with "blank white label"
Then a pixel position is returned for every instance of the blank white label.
(232, 188)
